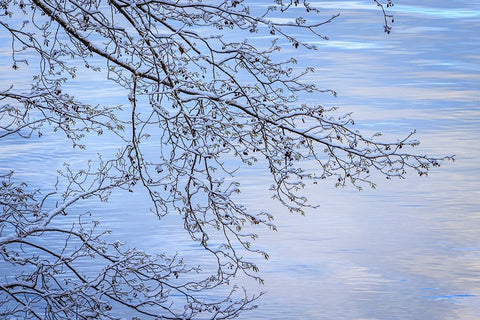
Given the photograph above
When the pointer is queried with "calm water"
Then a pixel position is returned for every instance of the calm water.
(408, 250)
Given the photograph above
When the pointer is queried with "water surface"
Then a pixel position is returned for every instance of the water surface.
(407, 250)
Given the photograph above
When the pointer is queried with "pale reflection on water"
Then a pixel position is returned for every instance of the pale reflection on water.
(408, 250)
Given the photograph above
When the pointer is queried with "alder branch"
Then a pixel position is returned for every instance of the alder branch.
(209, 103)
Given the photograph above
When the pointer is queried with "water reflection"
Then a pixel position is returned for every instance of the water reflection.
(408, 250)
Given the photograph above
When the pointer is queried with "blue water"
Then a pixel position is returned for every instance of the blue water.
(409, 249)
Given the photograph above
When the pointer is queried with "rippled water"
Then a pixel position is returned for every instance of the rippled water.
(410, 249)
(407, 250)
